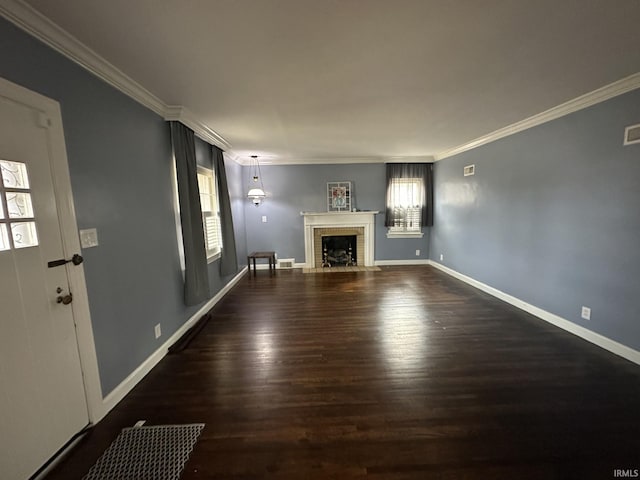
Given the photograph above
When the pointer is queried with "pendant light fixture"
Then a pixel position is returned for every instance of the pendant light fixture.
(256, 190)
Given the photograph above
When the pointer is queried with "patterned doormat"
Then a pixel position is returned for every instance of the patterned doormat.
(147, 453)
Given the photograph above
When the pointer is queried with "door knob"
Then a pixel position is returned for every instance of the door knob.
(65, 299)
(76, 260)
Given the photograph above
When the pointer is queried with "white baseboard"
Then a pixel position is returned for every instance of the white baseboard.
(388, 263)
(118, 393)
(265, 266)
(584, 333)
(377, 263)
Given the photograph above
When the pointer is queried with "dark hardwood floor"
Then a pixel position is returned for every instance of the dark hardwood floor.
(405, 373)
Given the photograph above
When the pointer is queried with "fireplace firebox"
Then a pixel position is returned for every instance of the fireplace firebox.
(339, 250)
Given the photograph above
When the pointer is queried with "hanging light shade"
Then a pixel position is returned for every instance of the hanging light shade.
(256, 189)
(256, 195)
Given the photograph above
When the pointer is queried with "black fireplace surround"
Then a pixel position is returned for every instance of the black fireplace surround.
(339, 250)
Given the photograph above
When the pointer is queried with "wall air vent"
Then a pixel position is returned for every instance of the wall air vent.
(632, 134)
(469, 170)
(286, 263)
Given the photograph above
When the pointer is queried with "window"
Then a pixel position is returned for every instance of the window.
(409, 199)
(210, 212)
(17, 222)
(406, 208)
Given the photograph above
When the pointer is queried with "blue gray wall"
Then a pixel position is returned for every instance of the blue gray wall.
(552, 217)
(294, 188)
(237, 195)
(121, 173)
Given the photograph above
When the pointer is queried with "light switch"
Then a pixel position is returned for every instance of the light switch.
(89, 238)
(264, 219)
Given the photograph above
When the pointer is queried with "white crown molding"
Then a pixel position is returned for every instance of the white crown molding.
(233, 156)
(322, 161)
(27, 18)
(33, 22)
(607, 92)
(185, 116)
(335, 160)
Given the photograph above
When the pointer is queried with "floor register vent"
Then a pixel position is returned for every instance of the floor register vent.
(286, 263)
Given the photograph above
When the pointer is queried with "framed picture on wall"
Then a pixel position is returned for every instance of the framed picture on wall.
(339, 197)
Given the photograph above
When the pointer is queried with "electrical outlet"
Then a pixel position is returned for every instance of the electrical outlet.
(441, 257)
(417, 253)
(158, 330)
(586, 313)
(264, 219)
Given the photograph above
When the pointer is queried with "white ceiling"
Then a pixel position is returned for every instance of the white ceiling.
(309, 80)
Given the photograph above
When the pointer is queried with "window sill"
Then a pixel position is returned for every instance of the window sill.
(405, 234)
(213, 258)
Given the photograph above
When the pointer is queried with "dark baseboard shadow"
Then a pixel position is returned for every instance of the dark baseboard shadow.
(183, 342)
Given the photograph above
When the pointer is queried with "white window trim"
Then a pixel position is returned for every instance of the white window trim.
(397, 234)
(212, 256)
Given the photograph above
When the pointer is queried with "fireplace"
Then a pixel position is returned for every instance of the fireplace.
(322, 233)
(339, 250)
(318, 226)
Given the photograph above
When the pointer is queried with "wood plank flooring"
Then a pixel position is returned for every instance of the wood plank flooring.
(405, 373)
(357, 268)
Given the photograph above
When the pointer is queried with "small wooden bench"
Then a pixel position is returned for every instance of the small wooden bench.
(270, 256)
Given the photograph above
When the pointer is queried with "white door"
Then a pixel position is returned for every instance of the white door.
(42, 395)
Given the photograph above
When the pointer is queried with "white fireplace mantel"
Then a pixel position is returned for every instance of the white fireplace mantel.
(313, 220)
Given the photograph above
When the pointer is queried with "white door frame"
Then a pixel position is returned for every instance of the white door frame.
(51, 117)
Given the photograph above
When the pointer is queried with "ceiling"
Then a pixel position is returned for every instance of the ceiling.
(340, 80)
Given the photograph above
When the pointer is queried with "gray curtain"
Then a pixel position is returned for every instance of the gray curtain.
(229, 258)
(423, 171)
(196, 277)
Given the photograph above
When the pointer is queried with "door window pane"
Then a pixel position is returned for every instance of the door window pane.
(14, 174)
(24, 234)
(16, 204)
(19, 205)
